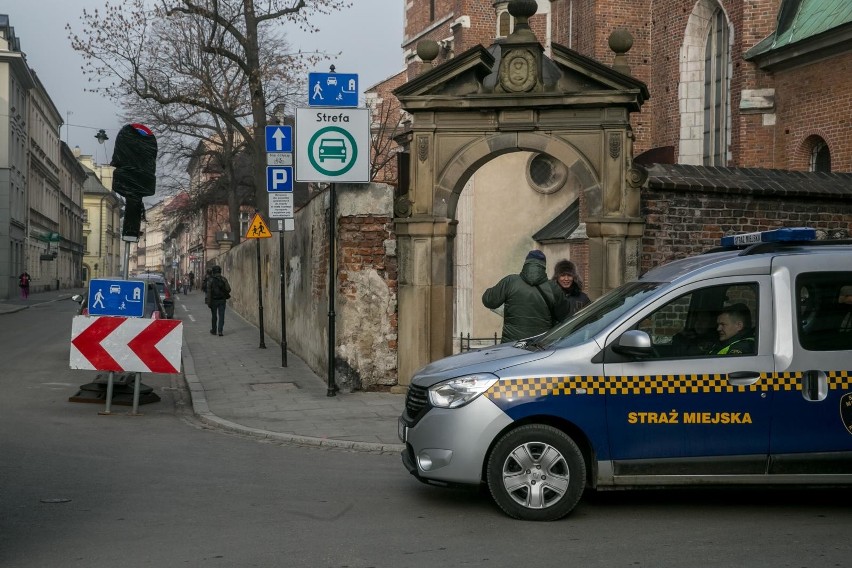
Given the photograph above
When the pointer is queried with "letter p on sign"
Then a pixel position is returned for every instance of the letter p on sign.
(279, 178)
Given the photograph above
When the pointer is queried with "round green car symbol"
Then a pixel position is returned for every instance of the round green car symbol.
(333, 149)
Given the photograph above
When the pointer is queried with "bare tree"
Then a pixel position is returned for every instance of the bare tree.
(387, 121)
(127, 58)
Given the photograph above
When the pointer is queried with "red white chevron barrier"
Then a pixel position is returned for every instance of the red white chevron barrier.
(105, 343)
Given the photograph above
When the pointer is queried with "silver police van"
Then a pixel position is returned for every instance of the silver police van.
(729, 368)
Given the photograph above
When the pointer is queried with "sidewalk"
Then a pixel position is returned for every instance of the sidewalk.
(237, 386)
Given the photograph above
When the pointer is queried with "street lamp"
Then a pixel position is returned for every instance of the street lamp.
(102, 136)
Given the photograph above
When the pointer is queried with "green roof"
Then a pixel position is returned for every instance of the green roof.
(799, 20)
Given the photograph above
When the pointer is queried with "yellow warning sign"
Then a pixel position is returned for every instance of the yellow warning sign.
(258, 229)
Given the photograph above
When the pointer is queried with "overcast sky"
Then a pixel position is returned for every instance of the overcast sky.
(369, 36)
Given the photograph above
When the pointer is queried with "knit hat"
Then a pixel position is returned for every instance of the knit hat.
(217, 270)
(537, 255)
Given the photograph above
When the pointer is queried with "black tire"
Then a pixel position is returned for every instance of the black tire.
(536, 473)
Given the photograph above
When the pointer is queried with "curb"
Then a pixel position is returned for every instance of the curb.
(202, 411)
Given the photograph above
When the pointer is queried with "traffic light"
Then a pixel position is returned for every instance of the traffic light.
(135, 162)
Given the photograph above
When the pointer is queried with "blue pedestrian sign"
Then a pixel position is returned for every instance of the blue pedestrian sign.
(279, 178)
(116, 298)
(333, 89)
(279, 138)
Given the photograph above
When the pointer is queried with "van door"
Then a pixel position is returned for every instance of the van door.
(812, 409)
(683, 408)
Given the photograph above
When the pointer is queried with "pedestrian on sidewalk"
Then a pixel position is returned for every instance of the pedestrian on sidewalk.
(218, 292)
(24, 284)
(204, 280)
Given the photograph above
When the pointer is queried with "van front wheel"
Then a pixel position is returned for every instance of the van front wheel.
(536, 473)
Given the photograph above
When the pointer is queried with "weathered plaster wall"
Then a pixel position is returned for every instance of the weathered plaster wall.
(365, 297)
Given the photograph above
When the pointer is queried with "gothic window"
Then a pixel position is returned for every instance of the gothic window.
(717, 58)
(704, 88)
(504, 24)
(820, 157)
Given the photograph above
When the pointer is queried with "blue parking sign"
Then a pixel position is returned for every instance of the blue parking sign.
(279, 178)
(116, 298)
(279, 138)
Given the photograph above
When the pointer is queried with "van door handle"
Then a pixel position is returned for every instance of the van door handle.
(743, 378)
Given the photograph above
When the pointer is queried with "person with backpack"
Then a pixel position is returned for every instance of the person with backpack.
(24, 284)
(204, 280)
(218, 292)
(532, 304)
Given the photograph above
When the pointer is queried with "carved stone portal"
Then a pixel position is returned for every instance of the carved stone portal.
(478, 106)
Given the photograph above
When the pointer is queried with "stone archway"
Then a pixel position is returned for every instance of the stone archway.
(485, 103)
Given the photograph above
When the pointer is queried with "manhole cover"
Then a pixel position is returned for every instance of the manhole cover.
(274, 386)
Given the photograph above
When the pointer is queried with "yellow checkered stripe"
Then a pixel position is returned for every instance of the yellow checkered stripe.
(535, 387)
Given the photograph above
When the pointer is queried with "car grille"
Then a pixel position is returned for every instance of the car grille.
(416, 400)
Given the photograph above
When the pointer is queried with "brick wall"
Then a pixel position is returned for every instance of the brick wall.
(680, 223)
(815, 100)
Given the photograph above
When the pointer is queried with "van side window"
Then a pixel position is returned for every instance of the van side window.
(709, 322)
(824, 314)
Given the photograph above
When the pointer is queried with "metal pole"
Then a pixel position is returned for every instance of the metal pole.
(108, 394)
(138, 382)
(259, 295)
(282, 266)
(136, 385)
(332, 282)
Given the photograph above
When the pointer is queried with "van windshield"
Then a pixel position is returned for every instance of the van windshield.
(598, 315)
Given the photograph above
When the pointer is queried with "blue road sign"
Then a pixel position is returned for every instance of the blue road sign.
(279, 138)
(333, 89)
(116, 298)
(279, 178)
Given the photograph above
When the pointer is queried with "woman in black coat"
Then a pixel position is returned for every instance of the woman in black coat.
(565, 274)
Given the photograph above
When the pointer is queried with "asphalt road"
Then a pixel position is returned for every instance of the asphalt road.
(81, 489)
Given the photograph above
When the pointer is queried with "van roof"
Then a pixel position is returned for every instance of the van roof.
(755, 259)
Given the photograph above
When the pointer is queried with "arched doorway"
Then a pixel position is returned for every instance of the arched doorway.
(486, 103)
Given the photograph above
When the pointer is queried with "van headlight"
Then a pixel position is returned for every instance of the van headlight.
(460, 391)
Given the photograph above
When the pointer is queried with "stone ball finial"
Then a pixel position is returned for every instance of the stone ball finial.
(427, 50)
(522, 8)
(620, 41)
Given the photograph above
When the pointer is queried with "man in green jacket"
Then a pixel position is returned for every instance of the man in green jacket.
(532, 303)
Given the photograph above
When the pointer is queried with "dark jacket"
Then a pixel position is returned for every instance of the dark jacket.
(575, 299)
(218, 290)
(526, 313)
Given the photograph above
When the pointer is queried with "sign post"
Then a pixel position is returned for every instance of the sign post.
(259, 230)
(333, 144)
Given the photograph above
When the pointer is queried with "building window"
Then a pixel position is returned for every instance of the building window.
(504, 24)
(546, 174)
(431, 10)
(245, 221)
(820, 158)
(716, 79)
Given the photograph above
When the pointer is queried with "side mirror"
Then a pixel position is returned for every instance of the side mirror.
(634, 343)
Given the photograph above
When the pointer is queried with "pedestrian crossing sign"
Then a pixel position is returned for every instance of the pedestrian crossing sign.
(258, 228)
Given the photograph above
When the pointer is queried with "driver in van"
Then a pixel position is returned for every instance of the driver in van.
(736, 336)
(700, 337)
